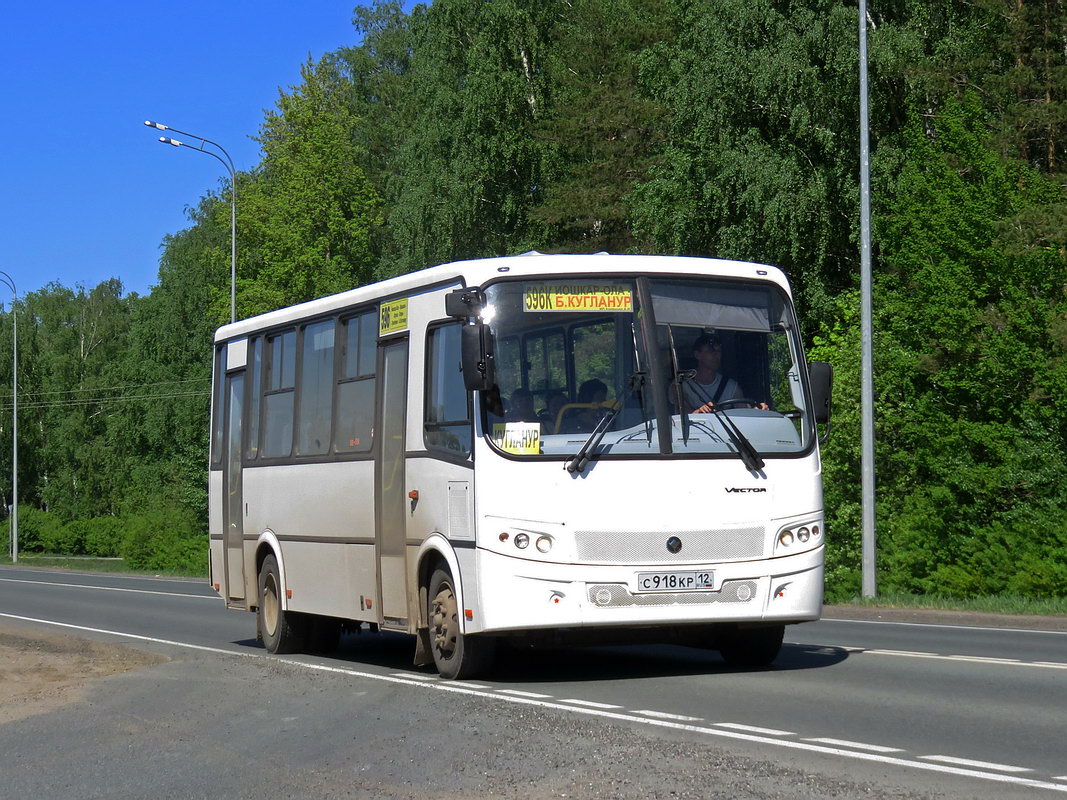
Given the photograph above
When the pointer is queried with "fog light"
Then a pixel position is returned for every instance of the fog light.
(522, 541)
(814, 530)
(504, 536)
(803, 534)
(544, 544)
(785, 538)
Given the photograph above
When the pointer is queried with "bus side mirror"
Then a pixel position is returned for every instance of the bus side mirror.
(463, 303)
(821, 379)
(476, 347)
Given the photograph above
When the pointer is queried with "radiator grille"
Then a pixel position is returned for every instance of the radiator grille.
(615, 595)
(645, 547)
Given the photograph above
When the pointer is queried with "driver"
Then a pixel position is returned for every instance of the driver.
(709, 386)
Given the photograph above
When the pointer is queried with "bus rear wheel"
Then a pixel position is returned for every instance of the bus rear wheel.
(282, 631)
(752, 647)
(455, 655)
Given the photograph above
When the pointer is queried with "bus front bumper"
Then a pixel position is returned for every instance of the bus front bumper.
(517, 594)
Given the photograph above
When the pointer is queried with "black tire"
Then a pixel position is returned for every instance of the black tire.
(752, 647)
(456, 656)
(282, 631)
(324, 634)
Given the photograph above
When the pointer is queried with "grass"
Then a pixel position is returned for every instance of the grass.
(90, 564)
(997, 604)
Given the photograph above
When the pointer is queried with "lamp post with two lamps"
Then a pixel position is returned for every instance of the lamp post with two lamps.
(228, 163)
(8, 281)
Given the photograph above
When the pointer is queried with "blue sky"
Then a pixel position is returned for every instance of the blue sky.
(88, 192)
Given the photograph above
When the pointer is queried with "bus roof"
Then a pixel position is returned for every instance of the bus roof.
(478, 271)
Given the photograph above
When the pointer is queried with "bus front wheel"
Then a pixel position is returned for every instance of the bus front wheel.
(752, 647)
(455, 655)
(282, 631)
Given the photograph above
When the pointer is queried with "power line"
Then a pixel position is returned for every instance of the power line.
(116, 388)
(89, 401)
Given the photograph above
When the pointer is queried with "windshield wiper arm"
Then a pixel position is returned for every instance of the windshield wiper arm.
(579, 460)
(749, 456)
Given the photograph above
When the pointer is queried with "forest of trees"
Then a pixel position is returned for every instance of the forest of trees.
(724, 128)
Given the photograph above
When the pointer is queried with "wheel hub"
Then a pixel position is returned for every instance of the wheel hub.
(445, 618)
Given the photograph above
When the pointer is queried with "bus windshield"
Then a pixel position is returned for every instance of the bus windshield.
(574, 356)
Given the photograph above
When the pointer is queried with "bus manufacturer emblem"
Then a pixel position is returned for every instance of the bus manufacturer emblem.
(674, 544)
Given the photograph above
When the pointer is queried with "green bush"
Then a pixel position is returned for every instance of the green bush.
(39, 530)
(103, 536)
(165, 539)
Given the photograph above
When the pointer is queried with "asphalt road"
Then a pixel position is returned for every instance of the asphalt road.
(849, 709)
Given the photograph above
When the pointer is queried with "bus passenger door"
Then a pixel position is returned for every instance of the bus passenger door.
(233, 545)
(389, 485)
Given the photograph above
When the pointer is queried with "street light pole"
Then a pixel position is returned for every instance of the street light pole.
(869, 581)
(9, 281)
(228, 163)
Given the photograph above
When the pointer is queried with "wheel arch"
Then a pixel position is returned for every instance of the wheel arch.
(437, 551)
(268, 545)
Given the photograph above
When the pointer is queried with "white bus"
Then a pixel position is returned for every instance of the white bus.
(525, 446)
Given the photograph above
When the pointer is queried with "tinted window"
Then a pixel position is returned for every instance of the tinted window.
(278, 400)
(355, 389)
(316, 389)
(447, 423)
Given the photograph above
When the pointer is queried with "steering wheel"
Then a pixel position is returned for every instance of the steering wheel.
(737, 401)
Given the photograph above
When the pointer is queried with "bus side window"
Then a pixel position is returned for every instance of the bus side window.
(447, 424)
(255, 378)
(355, 385)
(315, 409)
(278, 399)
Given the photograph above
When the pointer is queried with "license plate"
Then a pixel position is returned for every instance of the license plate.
(676, 581)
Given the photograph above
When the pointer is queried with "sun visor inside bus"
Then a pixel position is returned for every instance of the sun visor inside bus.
(733, 308)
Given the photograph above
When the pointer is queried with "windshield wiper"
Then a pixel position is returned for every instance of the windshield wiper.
(578, 461)
(749, 457)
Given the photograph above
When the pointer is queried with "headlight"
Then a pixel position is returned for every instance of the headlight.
(522, 541)
(544, 544)
(785, 538)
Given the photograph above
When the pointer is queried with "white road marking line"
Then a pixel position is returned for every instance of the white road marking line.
(614, 715)
(590, 703)
(966, 762)
(1004, 662)
(988, 659)
(752, 729)
(665, 715)
(908, 653)
(1060, 778)
(45, 571)
(470, 685)
(517, 693)
(416, 676)
(935, 625)
(874, 748)
(108, 588)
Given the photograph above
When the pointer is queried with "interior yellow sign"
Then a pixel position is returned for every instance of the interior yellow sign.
(393, 316)
(523, 438)
(577, 298)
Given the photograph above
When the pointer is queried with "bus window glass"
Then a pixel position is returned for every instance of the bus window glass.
(730, 343)
(355, 389)
(316, 389)
(508, 361)
(278, 401)
(220, 382)
(254, 380)
(594, 353)
(447, 423)
(547, 362)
